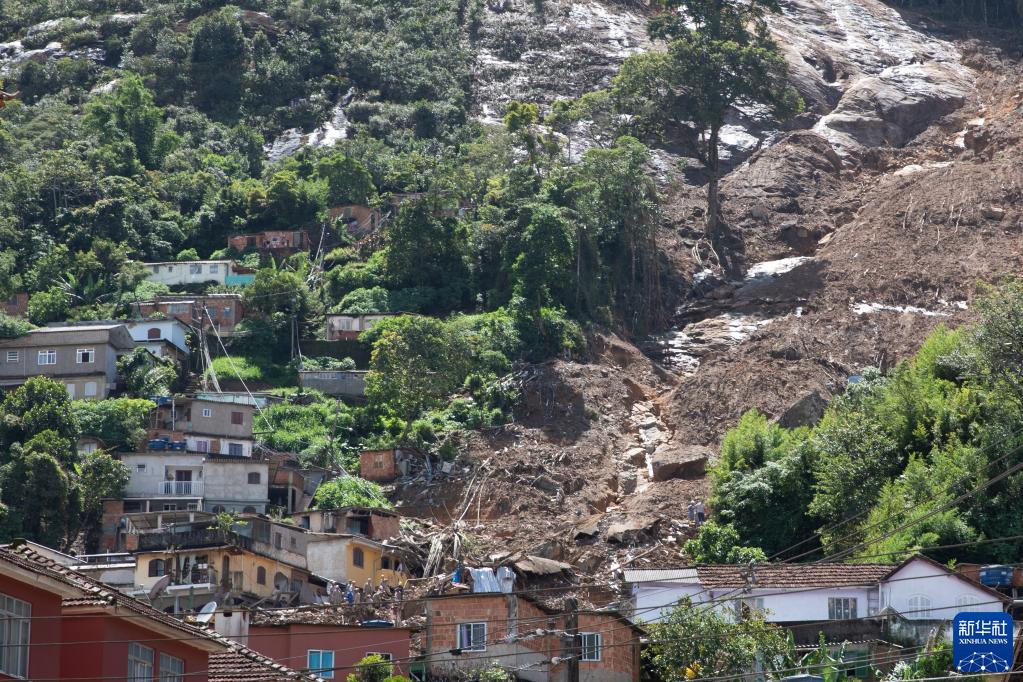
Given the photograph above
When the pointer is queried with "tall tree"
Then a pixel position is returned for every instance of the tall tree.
(720, 55)
(218, 59)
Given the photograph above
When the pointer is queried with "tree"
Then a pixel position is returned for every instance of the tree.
(543, 269)
(145, 375)
(350, 491)
(129, 113)
(719, 544)
(119, 422)
(698, 642)
(99, 476)
(999, 335)
(40, 406)
(48, 306)
(425, 249)
(719, 55)
(348, 180)
(414, 366)
(219, 53)
(43, 503)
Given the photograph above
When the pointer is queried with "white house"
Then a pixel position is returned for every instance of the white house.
(179, 273)
(849, 600)
(163, 338)
(179, 480)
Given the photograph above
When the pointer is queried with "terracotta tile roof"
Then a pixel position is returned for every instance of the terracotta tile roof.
(241, 664)
(793, 575)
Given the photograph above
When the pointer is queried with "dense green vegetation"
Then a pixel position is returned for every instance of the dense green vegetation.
(925, 457)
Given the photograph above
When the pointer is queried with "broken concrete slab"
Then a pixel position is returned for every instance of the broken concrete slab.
(632, 529)
(635, 456)
(678, 461)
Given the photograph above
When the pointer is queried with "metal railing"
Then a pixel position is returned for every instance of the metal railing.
(180, 488)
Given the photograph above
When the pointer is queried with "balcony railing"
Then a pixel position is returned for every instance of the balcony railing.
(210, 537)
(180, 489)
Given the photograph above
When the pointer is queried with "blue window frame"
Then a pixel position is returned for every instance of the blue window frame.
(321, 663)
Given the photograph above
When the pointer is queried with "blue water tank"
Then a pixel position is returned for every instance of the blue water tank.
(996, 575)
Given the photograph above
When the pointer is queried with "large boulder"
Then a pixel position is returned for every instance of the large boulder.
(678, 461)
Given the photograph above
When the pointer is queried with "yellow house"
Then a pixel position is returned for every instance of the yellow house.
(353, 557)
(197, 574)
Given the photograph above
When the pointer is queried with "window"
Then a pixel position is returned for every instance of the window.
(171, 669)
(214, 268)
(202, 446)
(235, 449)
(965, 600)
(227, 311)
(192, 506)
(385, 563)
(218, 509)
(382, 654)
(472, 636)
(261, 576)
(90, 389)
(195, 269)
(70, 390)
(237, 418)
(919, 607)
(321, 663)
(153, 334)
(254, 478)
(15, 617)
(749, 606)
(140, 663)
(13, 356)
(207, 412)
(358, 558)
(238, 580)
(132, 506)
(170, 506)
(141, 468)
(841, 608)
(590, 646)
(85, 356)
(248, 509)
(278, 540)
(47, 357)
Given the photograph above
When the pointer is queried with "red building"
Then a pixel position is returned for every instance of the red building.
(466, 633)
(222, 312)
(277, 242)
(324, 638)
(62, 625)
(16, 305)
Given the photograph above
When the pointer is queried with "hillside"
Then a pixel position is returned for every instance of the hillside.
(861, 224)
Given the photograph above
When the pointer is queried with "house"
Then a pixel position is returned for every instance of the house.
(242, 664)
(208, 564)
(192, 481)
(61, 624)
(199, 272)
(276, 242)
(82, 357)
(349, 383)
(384, 466)
(17, 304)
(164, 338)
(348, 327)
(213, 423)
(376, 524)
(292, 486)
(321, 637)
(357, 219)
(844, 601)
(200, 311)
(467, 632)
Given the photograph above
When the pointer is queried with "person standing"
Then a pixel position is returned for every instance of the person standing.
(701, 513)
(691, 510)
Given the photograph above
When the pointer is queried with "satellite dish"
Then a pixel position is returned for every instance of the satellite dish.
(206, 612)
(158, 587)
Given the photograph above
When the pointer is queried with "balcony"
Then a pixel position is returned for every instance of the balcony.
(209, 537)
(179, 489)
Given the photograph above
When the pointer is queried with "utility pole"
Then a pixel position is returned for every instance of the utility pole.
(574, 650)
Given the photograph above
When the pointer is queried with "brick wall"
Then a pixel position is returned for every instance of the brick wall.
(377, 465)
(507, 614)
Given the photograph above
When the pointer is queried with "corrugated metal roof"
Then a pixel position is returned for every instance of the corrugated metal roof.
(646, 575)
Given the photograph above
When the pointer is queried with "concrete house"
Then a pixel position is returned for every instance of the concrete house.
(350, 383)
(16, 305)
(844, 601)
(465, 632)
(164, 338)
(213, 423)
(181, 273)
(348, 327)
(201, 311)
(384, 466)
(276, 242)
(189, 481)
(357, 219)
(82, 357)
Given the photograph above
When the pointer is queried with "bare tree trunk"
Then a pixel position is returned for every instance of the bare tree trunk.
(717, 230)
